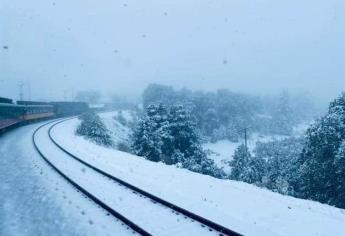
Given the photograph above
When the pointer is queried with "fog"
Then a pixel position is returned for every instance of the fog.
(59, 47)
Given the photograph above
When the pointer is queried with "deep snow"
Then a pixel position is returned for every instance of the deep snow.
(239, 206)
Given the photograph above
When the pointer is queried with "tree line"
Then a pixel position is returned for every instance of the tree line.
(223, 114)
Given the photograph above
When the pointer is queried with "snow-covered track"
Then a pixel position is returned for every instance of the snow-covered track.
(203, 221)
(100, 203)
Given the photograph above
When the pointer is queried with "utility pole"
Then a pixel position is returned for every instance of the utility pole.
(21, 95)
(245, 136)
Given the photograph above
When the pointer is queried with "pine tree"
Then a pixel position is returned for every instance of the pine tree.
(183, 131)
(239, 162)
(320, 166)
(148, 133)
(245, 167)
(93, 128)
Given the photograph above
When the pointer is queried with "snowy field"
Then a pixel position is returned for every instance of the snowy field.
(239, 206)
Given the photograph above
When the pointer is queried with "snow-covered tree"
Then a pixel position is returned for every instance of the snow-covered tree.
(320, 162)
(169, 135)
(148, 132)
(280, 160)
(245, 167)
(93, 128)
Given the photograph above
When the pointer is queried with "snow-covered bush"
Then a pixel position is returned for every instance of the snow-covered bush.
(93, 128)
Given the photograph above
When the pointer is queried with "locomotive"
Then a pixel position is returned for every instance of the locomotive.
(12, 115)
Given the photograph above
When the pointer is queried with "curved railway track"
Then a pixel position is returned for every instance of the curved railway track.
(212, 226)
(107, 208)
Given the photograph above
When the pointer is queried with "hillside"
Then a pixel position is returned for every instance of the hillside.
(245, 208)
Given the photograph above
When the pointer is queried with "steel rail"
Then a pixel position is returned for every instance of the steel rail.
(99, 202)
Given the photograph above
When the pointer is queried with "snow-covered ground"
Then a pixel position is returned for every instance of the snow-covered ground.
(35, 200)
(118, 132)
(239, 206)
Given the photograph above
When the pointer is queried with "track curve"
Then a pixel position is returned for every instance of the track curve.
(103, 205)
(212, 225)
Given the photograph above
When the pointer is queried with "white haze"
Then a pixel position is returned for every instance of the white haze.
(62, 46)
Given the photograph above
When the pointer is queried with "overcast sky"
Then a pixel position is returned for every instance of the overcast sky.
(260, 46)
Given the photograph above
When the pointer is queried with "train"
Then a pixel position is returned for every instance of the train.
(12, 115)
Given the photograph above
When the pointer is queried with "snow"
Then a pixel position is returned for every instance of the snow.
(221, 152)
(35, 200)
(239, 206)
(118, 132)
(154, 218)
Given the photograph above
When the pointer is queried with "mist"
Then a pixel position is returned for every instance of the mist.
(60, 47)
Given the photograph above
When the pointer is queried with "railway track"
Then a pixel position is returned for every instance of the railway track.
(205, 225)
(96, 200)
